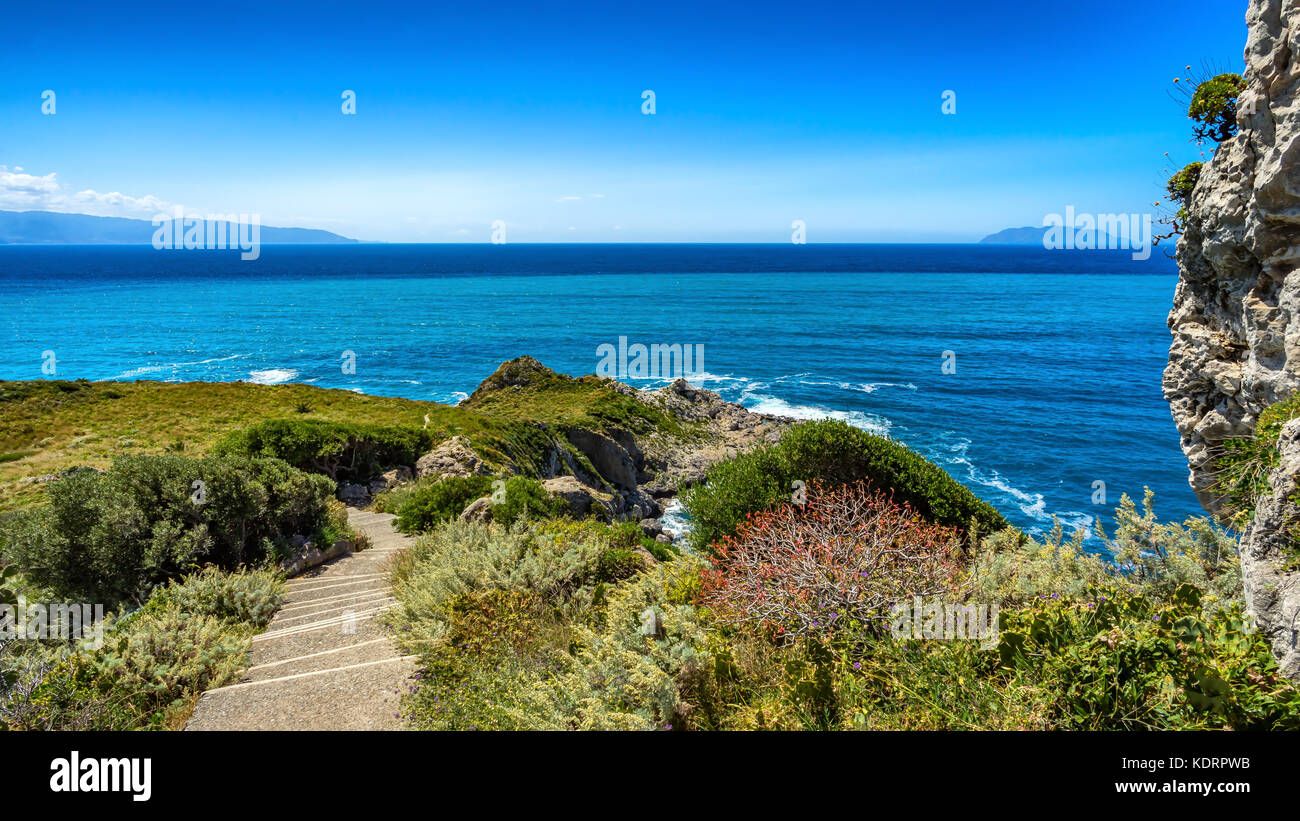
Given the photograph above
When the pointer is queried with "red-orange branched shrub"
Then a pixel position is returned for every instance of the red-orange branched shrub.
(845, 557)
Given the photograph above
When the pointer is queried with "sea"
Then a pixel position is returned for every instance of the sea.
(1031, 375)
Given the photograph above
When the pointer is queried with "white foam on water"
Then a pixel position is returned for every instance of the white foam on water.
(147, 369)
(675, 522)
(858, 419)
(271, 376)
(1032, 504)
(865, 387)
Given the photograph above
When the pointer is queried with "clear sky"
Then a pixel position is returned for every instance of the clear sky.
(531, 113)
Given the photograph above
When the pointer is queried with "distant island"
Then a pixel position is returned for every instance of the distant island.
(1033, 235)
(54, 228)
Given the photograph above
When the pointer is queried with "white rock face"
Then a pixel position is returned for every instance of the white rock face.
(1236, 314)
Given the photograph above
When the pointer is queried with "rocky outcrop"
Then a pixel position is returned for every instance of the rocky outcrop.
(583, 500)
(1236, 313)
(1273, 592)
(610, 459)
(729, 428)
(454, 457)
(607, 470)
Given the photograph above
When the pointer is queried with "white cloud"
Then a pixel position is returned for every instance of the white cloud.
(568, 199)
(20, 191)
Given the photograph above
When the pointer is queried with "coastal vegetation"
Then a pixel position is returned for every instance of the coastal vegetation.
(836, 453)
(154, 662)
(112, 537)
(1244, 465)
(528, 611)
(1212, 107)
(519, 628)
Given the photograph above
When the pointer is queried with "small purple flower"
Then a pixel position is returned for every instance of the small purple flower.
(857, 665)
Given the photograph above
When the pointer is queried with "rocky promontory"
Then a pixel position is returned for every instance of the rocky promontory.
(604, 447)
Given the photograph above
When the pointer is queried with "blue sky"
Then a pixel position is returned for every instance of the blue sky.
(473, 112)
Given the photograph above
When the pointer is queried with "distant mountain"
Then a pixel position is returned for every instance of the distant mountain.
(52, 228)
(1033, 235)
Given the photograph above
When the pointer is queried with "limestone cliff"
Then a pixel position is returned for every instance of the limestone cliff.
(1236, 314)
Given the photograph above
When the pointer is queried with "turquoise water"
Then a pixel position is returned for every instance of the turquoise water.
(1058, 354)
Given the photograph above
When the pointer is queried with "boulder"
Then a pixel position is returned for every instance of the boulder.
(397, 476)
(479, 510)
(353, 494)
(454, 457)
(583, 501)
(606, 455)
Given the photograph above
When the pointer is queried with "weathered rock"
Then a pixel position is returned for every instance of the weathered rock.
(607, 456)
(479, 510)
(651, 527)
(353, 494)
(1236, 313)
(582, 500)
(397, 476)
(1272, 591)
(454, 457)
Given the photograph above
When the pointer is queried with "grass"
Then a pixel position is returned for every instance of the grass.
(1245, 463)
(556, 399)
(47, 426)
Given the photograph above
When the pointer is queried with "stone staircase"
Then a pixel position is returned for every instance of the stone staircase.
(323, 662)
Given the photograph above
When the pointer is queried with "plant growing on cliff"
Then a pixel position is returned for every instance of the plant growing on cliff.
(1179, 188)
(1243, 467)
(1211, 99)
(1213, 107)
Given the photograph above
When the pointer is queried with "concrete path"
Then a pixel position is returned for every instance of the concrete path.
(323, 662)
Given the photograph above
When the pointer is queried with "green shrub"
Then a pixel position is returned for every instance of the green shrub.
(1213, 107)
(1119, 659)
(190, 636)
(522, 498)
(112, 537)
(834, 453)
(507, 664)
(1245, 463)
(429, 503)
(1182, 183)
(246, 597)
(166, 652)
(459, 558)
(337, 449)
(1012, 568)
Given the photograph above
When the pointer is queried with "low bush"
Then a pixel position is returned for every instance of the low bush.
(833, 453)
(521, 498)
(1213, 107)
(112, 537)
(839, 562)
(246, 597)
(1120, 659)
(429, 503)
(337, 449)
(190, 636)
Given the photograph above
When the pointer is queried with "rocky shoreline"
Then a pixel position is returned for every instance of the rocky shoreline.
(611, 472)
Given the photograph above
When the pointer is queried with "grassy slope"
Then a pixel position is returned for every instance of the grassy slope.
(47, 426)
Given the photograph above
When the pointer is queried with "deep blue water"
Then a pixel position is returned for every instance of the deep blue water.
(1058, 353)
